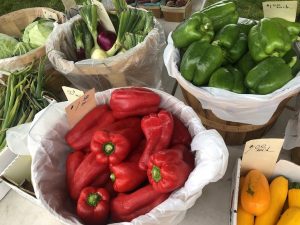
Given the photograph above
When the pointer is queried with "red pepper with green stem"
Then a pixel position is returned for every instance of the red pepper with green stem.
(80, 136)
(167, 170)
(127, 176)
(113, 147)
(126, 102)
(93, 205)
(126, 207)
(88, 170)
(158, 130)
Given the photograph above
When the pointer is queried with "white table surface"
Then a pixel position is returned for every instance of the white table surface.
(212, 208)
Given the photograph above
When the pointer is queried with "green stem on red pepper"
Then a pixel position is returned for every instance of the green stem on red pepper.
(93, 199)
(156, 174)
(108, 148)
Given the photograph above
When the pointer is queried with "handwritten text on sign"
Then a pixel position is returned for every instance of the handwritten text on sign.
(261, 154)
(72, 93)
(283, 9)
(79, 108)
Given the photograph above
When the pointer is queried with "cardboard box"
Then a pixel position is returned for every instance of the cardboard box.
(6, 157)
(177, 14)
(282, 167)
(17, 176)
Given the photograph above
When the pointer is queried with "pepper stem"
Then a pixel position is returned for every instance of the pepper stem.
(155, 172)
(108, 148)
(112, 177)
(93, 199)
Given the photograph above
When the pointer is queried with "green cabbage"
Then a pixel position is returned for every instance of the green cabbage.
(36, 33)
(21, 48)
(7, 46)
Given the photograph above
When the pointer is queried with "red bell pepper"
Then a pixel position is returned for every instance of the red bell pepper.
(181, 134)
(127, 176)
(126, 102)
(135, 155)
(93, 205)
(167, 170)
(113, 147)
(80, 136)
(158, 130)
(85, 174)
(188, 155)
(74, 159)
(101, 179)
(126, 207)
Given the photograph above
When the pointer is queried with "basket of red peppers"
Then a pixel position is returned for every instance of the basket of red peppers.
(130, 159)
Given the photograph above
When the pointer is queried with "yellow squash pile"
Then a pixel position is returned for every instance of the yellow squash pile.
(264, 204)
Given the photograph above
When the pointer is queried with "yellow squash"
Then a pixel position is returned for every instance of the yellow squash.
(294, 195)
(255, 195)
(243, 217)
(279, 190)
(290, 217)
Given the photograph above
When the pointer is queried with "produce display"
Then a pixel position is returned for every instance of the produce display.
(34, 36)
(22, 96)
(239, 56)
(93, 40)
(129, 156)
(261, 203)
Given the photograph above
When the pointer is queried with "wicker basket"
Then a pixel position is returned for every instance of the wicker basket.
(13, 23)
(232, 132)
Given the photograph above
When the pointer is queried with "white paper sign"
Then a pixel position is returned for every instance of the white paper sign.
(283, 9)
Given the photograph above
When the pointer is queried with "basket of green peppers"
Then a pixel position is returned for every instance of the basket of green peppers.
(231, 65)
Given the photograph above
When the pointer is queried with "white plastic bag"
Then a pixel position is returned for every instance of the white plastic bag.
(139, 66)
(227, 105)
(49, 151)
(292, 130)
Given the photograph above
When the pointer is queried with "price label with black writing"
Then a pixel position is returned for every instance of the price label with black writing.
(282, 9)
(261, 154)
(72, 93)
(80, 107)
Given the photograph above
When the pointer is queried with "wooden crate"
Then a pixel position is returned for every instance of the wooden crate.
(177, 14)
(154, 9)
(232, 132)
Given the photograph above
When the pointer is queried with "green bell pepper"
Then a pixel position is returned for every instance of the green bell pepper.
(268, 76)
(199, 61)
(293, 61)
(233, 42)
(292, 27)
(228, 78)
(268, 38)
(245, 64)
(193, 29)
(221, 13)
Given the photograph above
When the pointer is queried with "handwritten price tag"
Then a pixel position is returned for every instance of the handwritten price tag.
(261, 154)
(72, 93)
(80, 107)
(283, 9)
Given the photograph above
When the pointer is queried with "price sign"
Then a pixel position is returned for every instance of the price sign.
(261, 154)
(72, 93)
(283, 9)
(80, 107)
